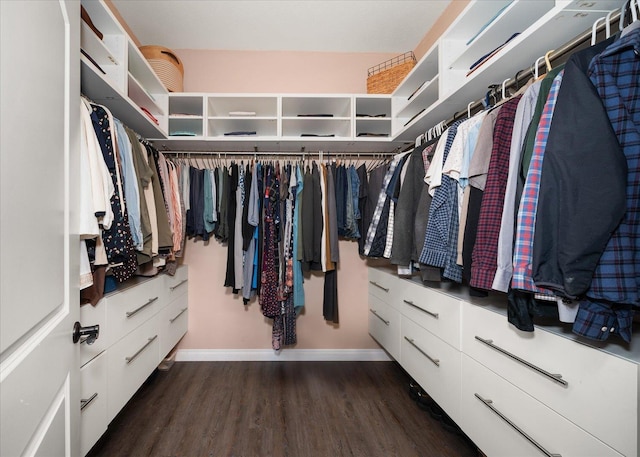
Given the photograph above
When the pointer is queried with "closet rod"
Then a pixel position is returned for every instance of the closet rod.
(562, 51)
(222, 155)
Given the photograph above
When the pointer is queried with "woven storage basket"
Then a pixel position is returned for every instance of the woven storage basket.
(167, 66)
(386, 76)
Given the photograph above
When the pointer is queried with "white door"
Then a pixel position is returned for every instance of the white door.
(39, 144)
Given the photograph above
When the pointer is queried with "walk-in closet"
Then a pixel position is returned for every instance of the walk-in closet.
(308, 228)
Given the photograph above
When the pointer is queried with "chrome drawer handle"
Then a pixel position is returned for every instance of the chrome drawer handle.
(554, 377)
(172, 288)
(84, 402)
(137, 310)
(411, 341)
(378, 286)
(178, 315)
(373, 311)
(410, 303)
(146, 345)
(489, 404)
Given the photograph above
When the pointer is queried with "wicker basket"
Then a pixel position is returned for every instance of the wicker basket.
(167, 66)
(386, 76)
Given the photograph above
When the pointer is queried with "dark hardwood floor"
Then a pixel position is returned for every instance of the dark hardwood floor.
(293, 409)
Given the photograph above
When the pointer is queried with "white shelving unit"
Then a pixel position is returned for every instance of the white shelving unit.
(117, 75)
(228, 114)
(440, 85)
(440, 82)
(186, 115)
(372, 116)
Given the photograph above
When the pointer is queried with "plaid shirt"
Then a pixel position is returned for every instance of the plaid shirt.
(436, 250)
(382, 198)
(485, 251)
(615, 287)
(526, 221)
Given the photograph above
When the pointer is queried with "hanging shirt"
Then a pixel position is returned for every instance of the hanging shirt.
(504, 260)
(615, 288)
(439, 243)
(523, 251)
(485, 251)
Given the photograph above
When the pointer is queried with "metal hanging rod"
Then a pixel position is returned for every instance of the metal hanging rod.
(523, 75)
(302, 153)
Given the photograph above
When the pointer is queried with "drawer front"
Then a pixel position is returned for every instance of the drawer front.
(540, 428)
(130, 361)
(435, 311)
(433, 364)
(131, 307)
(597, 391)
(173, 324)
(93, 395)
(178, 284)
(384, 326)
(382, 285)
(94, 315)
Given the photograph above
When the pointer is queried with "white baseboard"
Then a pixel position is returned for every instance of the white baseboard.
(285, 355)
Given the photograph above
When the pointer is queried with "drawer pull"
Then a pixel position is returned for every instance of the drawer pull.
(410, 303)
(554, 377)
(178, 315)
(172, 288)
(489, 404)
(436, 362)
(378, 286)
(84, 402)
(137, 310)
(146, 345)
(373, 311)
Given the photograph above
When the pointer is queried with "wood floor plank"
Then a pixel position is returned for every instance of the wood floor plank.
(279, 409)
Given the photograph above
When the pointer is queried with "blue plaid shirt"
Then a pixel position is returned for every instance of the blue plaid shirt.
(441, 236)
(615, 287)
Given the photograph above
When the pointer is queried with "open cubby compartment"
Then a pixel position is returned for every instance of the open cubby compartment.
(223, 105)
(264, 127)
(335, 106)
(515, 17)
(186, 105)
(186, 126)
(373, 105)
(296, 127)
(373, 125)
(420, 76)
(147, 79)
(427, 95)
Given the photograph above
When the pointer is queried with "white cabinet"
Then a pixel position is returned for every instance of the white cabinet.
(115, 73)
(317, 116)
(372, 116)
(512, 392)
(139, 325)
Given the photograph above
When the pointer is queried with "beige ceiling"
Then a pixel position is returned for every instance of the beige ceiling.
(283, 25)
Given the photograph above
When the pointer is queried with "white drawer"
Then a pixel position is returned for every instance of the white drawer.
(128, 309)
(384, 326)
(435, 311)
(130, 361)
(601, 390)
(490, 431)
(177, 284)
(433, 364)
(173, 320)
(94, 315)
(93, 395)
(382, 284)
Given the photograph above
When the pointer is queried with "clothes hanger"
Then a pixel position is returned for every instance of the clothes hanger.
(536, 67)
(547, 61)
(608, 23)
(594, 28)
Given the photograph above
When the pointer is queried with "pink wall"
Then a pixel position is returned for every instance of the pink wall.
(277, 71)
(219, 320)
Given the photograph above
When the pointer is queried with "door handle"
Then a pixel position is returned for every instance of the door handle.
(91, 333)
